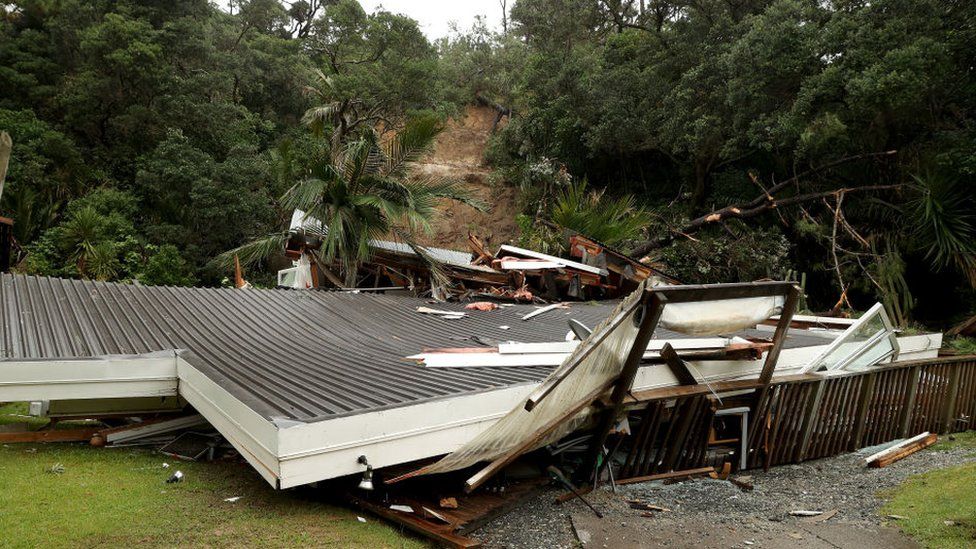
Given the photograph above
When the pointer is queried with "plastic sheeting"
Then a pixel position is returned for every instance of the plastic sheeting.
(594, 371)
(723, 316)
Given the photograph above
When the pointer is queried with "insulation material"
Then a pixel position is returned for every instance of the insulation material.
(594, 371)
(721, 316)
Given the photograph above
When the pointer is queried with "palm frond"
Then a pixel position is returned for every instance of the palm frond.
(305, 194)
(411, 143)
(252, 252)
(945, 223)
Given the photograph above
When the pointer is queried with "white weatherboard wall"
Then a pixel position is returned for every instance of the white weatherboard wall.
(96, 378)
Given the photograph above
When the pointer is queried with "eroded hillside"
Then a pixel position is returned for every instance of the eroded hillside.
(459, 154)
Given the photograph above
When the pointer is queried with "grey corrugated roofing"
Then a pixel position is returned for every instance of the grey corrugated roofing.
(303, 355)
(453, 258)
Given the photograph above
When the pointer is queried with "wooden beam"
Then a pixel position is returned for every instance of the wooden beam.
(710, 292)
(772, 357)
(653, 306)
(863, 405)
(810, 419)
(665, 476)
(909, 412)
(678, 367)
(952, 397)
(51, 435)
(902, 450)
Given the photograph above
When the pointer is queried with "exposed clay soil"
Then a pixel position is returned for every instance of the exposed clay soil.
(459, 154)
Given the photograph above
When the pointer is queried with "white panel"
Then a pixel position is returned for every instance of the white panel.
(108, 377)
(251, 434)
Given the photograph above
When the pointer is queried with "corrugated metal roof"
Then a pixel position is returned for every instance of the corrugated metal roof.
(303, 355)
(453, 258)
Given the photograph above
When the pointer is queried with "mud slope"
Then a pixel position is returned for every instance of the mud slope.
(459, 154)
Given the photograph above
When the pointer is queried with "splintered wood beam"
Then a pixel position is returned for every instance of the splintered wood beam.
(678, 367)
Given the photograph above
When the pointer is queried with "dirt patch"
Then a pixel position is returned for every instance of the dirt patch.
(710, 513)
(459, 155)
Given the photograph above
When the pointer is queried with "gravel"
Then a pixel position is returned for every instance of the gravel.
(842, 483)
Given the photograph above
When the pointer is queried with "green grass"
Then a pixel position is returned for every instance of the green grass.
(118, 497)
(939, 506)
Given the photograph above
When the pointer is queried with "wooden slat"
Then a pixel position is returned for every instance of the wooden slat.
(50, 435)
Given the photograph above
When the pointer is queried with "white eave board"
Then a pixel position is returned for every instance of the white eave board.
(546, 257)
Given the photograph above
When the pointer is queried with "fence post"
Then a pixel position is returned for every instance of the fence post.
(952, 396)
(810, 419)
(863, 403)
(906, 418)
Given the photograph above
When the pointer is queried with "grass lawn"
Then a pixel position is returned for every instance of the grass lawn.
(118, 497)
(940, 506)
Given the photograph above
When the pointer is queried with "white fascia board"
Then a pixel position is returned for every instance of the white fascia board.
(920, 346)
(570, 346)
(530, 265)
(552, 258)
(255, 437)
(90, 378)
(327, 449)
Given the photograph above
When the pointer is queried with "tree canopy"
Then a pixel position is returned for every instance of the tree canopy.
(729, 140)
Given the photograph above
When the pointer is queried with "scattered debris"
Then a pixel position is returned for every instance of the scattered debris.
(234, 499)
(744, 482)
(450, 315)
(402, 508)
(643, 506)
(56, 469)
(901, 450)
(360, 519)
(802, 513)
(448, 503)
(175, 477)
(482, 306)
(688, 474)
(545, 309)
(822, 517)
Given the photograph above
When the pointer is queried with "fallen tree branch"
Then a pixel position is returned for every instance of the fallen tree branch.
(766, 201)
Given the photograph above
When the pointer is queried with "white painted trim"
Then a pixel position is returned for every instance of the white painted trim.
(887, 332)
(546, 257)
(514, 265)
(86, 379)
(255, 437)
(155, 428)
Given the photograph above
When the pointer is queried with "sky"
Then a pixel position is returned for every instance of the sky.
(435, 16)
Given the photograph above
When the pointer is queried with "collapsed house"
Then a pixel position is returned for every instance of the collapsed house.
(511, 273)
(303, 384)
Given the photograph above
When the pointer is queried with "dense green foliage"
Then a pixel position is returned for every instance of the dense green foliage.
(148, 139)
(146, 134)
(692, 106)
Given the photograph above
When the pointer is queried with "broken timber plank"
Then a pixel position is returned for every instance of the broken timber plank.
(901, 450)
(678, 367)
(437, 532)
(665, 476)
(51, 435)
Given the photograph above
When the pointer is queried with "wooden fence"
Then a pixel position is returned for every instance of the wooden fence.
(815, 417)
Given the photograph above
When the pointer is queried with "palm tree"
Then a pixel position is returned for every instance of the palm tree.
(361, 190)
